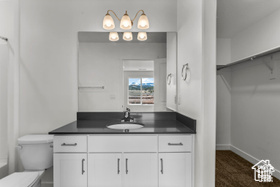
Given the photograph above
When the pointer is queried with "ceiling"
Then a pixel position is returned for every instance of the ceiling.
(235, 15)
(103, 37)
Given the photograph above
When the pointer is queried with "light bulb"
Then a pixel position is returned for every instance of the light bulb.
(125, 24)
(142, 36)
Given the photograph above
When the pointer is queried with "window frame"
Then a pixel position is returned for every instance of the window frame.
(141, 96)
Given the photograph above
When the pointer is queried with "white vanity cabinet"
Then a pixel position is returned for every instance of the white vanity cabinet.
(105, 169)
(123, 161)
(70, 170)
(175, 169)
(140, 170)
(175, 160)
(127, 170)
(126, 159)
(70, 161)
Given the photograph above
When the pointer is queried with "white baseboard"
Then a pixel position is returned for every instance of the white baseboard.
(223, 146)
(251, 159)
(47, 184)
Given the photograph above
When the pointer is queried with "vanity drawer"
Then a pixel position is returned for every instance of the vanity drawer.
(70, 144)
(175, 143)
(111, 143)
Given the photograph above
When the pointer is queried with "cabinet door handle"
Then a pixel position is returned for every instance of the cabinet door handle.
(184, 72)
(161, 163)
(118, 166)
(179, 144)
(126, 166)
(169, 77)
(83, 163)
(69, 144)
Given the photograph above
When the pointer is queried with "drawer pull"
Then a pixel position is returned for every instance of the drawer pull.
(65, 144)
(176, 144)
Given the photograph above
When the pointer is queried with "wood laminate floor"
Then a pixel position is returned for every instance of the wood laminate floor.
(234, 171)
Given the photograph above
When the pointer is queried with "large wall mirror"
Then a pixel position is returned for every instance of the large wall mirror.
(116, 75)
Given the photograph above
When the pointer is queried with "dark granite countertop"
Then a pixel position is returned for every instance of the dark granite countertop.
(154, 123)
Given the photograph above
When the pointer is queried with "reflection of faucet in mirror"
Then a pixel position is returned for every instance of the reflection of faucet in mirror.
(127, 117)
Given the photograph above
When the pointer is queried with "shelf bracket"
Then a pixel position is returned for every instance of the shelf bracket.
(272, 68)
(269, 67)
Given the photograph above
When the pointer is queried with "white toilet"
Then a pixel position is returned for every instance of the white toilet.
(36, 154)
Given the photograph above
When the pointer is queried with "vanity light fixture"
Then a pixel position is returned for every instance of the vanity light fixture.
(127, 36)
(142, 36)
(125, 23)
(114, 36)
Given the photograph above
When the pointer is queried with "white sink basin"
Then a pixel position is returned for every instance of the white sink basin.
(123, 126)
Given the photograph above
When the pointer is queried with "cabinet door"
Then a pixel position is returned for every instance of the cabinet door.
(104, 170)
(171, 65)
(70, 170)
(140, 170)
(175, 170)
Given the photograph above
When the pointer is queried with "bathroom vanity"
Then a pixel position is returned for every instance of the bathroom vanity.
(88, 154)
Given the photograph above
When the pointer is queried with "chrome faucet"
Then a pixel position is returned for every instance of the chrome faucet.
(127, 117)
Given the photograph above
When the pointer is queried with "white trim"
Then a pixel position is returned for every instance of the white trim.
(223, 146)
(251, 159)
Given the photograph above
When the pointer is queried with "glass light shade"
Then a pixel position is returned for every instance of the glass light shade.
(143, 22)
(108, 22)
(114, 36)
(127, 36)
(142, 36)
(126, 22)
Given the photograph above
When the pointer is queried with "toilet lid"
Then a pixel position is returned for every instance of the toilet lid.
(20, 179)
(35, 139)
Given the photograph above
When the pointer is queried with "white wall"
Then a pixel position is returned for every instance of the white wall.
(256, 38)
(48, 53)
(223, 109)
(9, 21)
(255, 110)
(223, 94)
(101, 64)
(4, 64)
(208, 94)
(196, 27)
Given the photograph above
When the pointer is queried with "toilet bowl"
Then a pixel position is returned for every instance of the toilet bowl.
(36, 155)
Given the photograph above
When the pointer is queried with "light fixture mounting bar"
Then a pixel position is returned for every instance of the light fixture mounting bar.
(114, 14)
(3, 38)
(137, 14)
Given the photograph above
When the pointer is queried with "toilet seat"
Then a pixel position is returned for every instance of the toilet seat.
(20, 179)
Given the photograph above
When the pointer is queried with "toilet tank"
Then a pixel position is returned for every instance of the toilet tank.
(36, 152)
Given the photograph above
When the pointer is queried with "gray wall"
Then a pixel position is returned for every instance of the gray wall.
(255, 106)
(248, 105)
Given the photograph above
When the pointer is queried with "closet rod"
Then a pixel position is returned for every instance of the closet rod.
(219, 67)
(3, 38)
